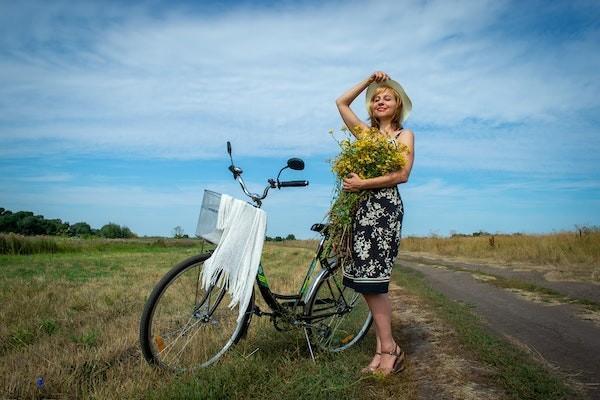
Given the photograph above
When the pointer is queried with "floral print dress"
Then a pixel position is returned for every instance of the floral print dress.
(375, 241)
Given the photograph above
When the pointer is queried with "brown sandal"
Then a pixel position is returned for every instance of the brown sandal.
(398, 364)
(369, 369)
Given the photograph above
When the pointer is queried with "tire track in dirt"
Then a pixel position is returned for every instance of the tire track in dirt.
(576, 290)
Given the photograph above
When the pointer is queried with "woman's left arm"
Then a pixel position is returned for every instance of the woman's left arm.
(354, 183)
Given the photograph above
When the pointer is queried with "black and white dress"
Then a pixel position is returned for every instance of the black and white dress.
(375, 241)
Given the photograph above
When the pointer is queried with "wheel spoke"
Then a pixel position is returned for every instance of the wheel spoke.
(339, 315)
(188, 341)
(185, 326)
(172, 344)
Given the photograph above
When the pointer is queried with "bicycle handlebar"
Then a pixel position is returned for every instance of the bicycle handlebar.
(293, 183)
(257, 198)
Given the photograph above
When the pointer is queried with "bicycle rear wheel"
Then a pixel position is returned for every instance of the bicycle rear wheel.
(339, 316)
(185, 327)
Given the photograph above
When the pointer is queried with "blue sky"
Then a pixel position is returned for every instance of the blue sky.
(119, 111)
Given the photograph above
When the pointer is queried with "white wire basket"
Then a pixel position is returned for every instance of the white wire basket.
(207, 220)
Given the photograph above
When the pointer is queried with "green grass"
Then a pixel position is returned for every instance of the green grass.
(73, 318)
(13, 244)
(18, 244)
(515, 371)
(89, 338)
(282, 369)
(49, 326)
(287, 375)
(81, 266)
(22, 337)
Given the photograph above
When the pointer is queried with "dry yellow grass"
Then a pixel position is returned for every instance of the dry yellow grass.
(73, 319)
(93, 342)
(310, 244)
(570, 255)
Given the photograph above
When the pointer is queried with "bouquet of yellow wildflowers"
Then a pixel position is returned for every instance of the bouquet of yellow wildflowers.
(370, 155)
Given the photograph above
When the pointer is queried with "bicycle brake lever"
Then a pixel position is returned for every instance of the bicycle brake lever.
(235, 171)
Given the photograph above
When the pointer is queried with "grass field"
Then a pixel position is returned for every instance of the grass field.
(13, 244)
(568, 255)
(71, 319)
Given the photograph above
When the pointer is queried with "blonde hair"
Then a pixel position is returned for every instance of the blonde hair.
(397, 117)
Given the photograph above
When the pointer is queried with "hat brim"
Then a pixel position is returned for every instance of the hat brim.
(406, 102)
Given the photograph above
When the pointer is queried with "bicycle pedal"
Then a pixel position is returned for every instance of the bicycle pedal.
(257, 311)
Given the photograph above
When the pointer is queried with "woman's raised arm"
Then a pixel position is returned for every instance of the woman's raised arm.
(343, 102)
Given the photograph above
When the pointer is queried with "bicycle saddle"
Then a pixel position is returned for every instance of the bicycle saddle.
(321, 228)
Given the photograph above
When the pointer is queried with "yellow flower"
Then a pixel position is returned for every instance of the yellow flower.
(369, 155)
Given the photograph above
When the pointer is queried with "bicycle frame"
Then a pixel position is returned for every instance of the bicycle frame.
(272, 298)
(284, 305)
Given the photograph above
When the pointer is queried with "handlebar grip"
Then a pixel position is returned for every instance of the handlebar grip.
(293, 183)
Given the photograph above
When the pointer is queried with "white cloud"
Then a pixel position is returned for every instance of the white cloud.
(180, 85)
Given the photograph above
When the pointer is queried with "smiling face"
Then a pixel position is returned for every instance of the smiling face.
(385, 104)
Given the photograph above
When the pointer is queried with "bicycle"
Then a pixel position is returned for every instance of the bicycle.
(185, 327)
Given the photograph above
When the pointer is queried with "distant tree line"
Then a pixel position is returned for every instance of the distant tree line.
(583, 230)
(178, 233)
(27, 223)
(479, 233)
(580, 230)
(279, 238)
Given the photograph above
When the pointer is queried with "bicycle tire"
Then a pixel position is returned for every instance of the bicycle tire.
(339, 316)
(184, 327)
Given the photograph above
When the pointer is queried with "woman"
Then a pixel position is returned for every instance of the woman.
(378, 222)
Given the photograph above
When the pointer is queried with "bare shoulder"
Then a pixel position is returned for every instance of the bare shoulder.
(406, 136)
(406, 132)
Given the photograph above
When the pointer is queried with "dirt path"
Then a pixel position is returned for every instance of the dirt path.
(566, 335)
(575, 290)
(435, 362)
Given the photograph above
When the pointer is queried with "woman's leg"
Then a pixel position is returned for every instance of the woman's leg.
(381, 308)
(377, 357)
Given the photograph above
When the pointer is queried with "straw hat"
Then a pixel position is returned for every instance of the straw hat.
(406, 103)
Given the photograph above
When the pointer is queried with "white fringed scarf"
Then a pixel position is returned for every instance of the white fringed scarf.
(238, 252)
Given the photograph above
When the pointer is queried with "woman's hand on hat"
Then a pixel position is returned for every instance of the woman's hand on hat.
(352, 183)
(379, 76)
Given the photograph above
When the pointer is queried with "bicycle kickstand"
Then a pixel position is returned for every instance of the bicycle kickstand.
(309, 345)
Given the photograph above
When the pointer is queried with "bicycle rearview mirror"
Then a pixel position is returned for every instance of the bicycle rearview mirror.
(229, 148)
(296, 164)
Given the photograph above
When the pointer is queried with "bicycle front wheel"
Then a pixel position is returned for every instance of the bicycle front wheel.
(184, 326)
(339, 316)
